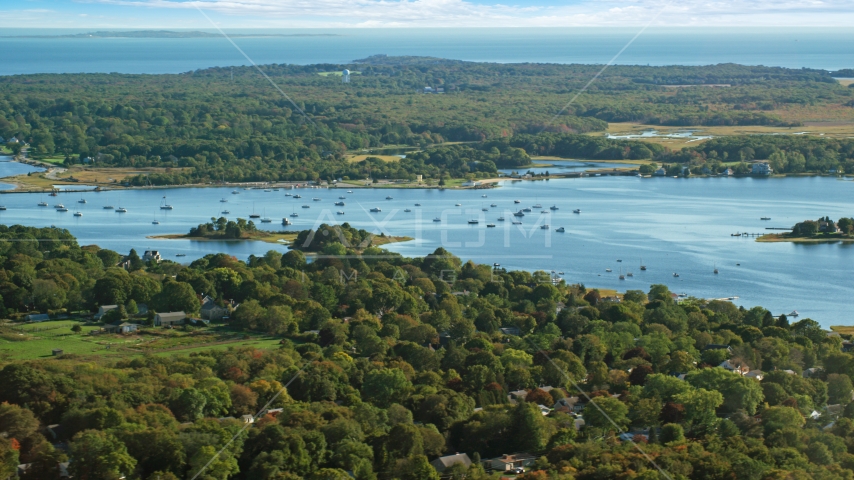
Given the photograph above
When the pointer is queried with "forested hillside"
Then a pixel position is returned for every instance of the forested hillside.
(240, 128)
(387, 363)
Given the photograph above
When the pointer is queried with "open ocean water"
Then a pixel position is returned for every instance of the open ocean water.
(823, 48)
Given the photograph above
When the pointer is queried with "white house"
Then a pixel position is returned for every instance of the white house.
(736, 368)
(762, 168)
(151, 255)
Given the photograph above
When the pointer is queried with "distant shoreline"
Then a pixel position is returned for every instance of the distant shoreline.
(170, 34)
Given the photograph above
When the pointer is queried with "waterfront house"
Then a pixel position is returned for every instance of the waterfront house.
(761, 168)
(827, 226)
(151, 256)
(170, 318)
(727, 173)
(660, 172)
(443, 463)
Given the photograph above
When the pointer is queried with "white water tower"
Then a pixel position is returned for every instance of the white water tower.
(345, 76)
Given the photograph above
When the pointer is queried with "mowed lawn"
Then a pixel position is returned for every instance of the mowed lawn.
(35, 341)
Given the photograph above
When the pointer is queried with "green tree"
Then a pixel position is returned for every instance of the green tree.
(99, 455)
(385, 386)
(672, 432)
(530, 430)
(605, 412)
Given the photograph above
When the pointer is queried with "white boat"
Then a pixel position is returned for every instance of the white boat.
(484, 195)
(122, 210)
(793, 313)
(223, 200)
(349, 191)
(577, 210)
(59, 205)
(235, 192)
(82, 200)
(519, 214)
(43, 204)
(560, 229)
(608, 270)
(458, 204)
(288, 194)
(78, 214)
(295, 214)
(267, 190)
(316, 199)
(630, 274)
(537, 206)
(297, 196)
(63, 209)
(341, 197)
(376, 210)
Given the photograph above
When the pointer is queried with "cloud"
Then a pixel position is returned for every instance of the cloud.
(479, 13)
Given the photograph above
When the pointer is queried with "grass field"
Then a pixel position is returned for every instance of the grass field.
(278, 238)
(35, 341)
(83, 175)
(54, 160)
(385, 158)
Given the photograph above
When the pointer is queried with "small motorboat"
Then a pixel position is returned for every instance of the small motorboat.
(155, 222)
(544, 226)
(630, 274)
(43, 204)
(765, 218)
(376, 210)
(226, 212)
(484, 195)
(180, 254)
(484, 209)
(288, 194)
(63, 209)
(734, 234)
(286, 222)
(223, 200)
(121, 210)
(340, 212)
(267, 190)
(306, 206)
(2, 207)
(235, 192)
(500, 219)
(341, 197)
(82, 200)
(519, 214)
(517, 201)
(437, 219)
(59, 205)
(458, 204)
(349, 191)
(108, 207)
(608, 270)
(339, 204)
(417, 204)
(316, 199)
(793, 313)
(676, 275)
(266, 220)
(517, 222)
(255, 215)
(473, 222)
(537, 206)
(560, 229)
(166, 207)
(407, 210)
(493, 205)
(78, 214)
(526, 210)
(577, 210)
(295, 214)
(553, 207)
(53, 194)
(297, 196)
(619, 260)
(490, 225)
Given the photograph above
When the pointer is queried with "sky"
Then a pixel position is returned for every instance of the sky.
(246, 14)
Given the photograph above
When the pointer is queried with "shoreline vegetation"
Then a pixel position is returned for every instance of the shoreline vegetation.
(823, 230)
(223, 124)
(308, 241)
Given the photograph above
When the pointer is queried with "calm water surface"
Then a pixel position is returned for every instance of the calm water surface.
(826, 48)
(672, 225)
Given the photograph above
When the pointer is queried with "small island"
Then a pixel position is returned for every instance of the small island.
(310, 241)
(815, 231)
